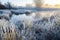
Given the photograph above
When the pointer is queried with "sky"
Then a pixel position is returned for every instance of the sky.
(18, 2)
(52, 2)
(24, 2)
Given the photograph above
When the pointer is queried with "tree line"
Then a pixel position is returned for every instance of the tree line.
(8, 5)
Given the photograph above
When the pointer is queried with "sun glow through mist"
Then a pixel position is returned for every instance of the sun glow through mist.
(52, 2)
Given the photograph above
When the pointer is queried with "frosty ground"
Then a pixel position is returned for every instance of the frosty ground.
(43, 25)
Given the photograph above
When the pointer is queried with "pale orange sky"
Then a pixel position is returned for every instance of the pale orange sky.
(52, 2)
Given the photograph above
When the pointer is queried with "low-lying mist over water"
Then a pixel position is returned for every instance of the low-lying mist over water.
(43, 25)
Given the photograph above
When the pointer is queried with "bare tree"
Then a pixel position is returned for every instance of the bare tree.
(38, 3)
(8, 5)
(0, 2)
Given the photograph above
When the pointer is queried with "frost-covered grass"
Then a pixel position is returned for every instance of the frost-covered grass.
(43, 25)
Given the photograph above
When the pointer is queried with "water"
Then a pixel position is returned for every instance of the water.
(43, 25)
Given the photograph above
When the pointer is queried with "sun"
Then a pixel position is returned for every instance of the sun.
(52, 2)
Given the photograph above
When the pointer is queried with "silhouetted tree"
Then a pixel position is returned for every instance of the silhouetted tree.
(2, 6)
(8, 5)
(38, 3)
